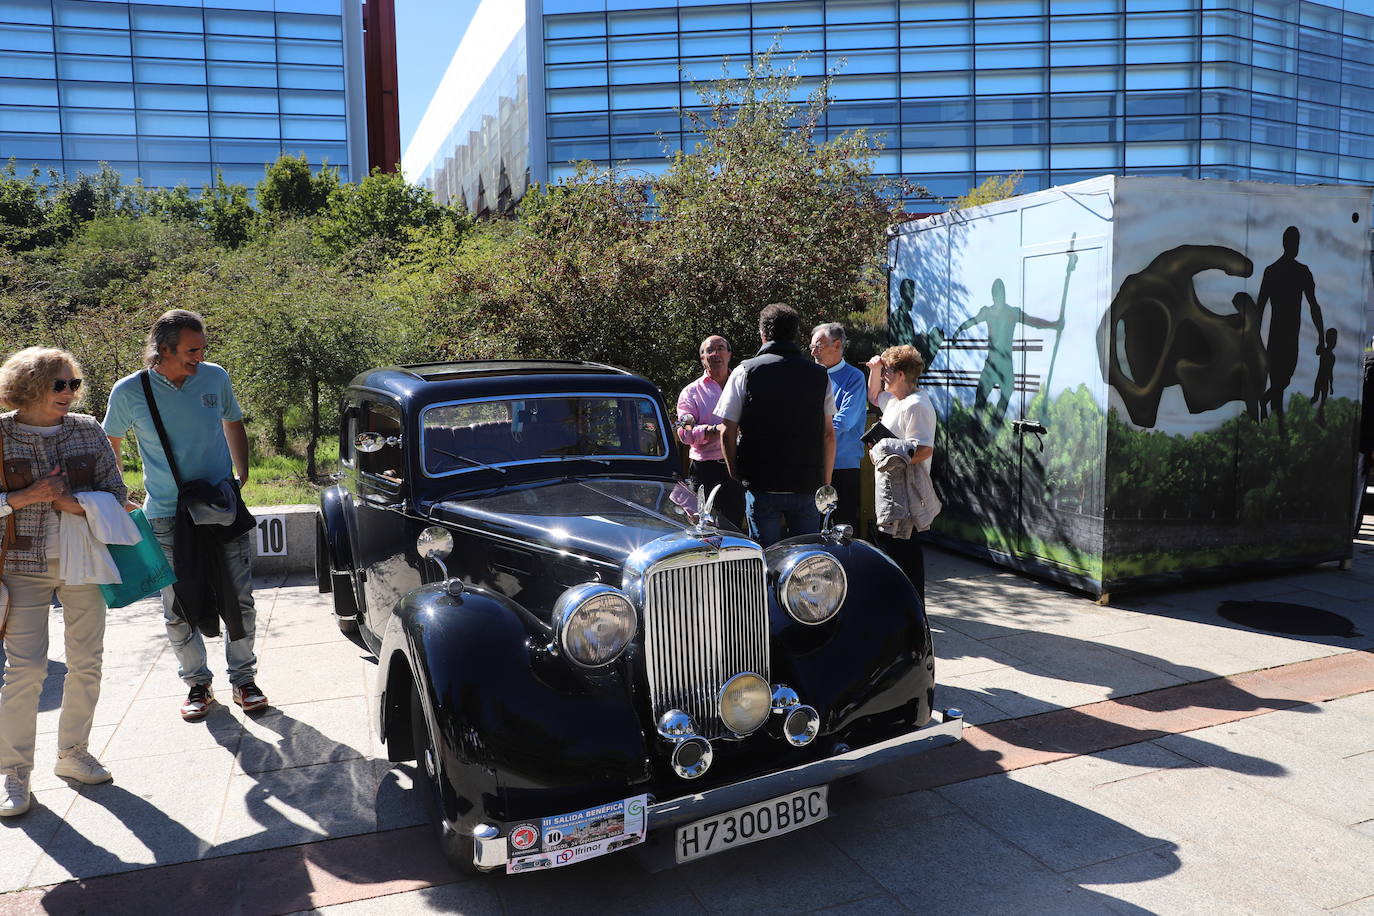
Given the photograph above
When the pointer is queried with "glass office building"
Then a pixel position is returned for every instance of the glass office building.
(171, 91)
(1277, 90)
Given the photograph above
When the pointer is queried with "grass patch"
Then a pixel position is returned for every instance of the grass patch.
(273, 480)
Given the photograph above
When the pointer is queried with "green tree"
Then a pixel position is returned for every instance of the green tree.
(23, 210)
(289, 188)
(226, 212)
(991, 189)
(383, 212)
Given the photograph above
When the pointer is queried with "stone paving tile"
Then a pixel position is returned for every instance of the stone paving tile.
(1026, 690)
(23, 839)
(45, 757)
(118, 687)
(878, 905)
(115, 827)
(1120, 673)
(967, 700)
(397, 804)
(471, 898)
(1323, 863)
(300, 734)
(612, 884)
(154, 727)
(957, 654)
(297, 805)
(306, 674)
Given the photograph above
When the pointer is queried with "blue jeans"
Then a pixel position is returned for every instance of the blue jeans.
(769, 512)
(187, 643)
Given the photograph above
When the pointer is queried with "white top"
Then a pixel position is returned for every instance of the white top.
(53, 521)
(911, 417)
(731, 403)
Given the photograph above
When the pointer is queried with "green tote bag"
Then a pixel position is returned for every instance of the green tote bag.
(143, 566)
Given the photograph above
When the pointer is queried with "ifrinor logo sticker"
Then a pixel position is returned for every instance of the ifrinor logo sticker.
(524, 836)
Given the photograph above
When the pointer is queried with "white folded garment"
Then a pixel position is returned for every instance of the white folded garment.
(110, 524)
(85, 561)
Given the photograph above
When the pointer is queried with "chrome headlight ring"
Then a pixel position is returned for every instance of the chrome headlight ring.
(593, 623)
(811, 586)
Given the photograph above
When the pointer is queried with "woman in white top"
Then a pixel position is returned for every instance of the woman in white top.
(907, 413)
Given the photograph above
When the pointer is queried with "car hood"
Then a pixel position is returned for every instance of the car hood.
(605, 518)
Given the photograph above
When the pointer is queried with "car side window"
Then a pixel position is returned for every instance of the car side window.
(388, 462)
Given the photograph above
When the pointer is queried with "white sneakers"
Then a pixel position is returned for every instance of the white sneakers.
(14, 800)
(78, 763)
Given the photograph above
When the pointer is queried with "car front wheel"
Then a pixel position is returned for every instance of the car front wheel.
(457, 847)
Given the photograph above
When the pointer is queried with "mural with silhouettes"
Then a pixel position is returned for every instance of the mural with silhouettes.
(1141, 379)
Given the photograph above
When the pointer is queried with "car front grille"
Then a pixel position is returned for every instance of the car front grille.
(704, 622)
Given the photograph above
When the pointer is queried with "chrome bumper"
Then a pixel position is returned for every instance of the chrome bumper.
(489, 841)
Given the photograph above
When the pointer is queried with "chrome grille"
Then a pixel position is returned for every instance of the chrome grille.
(703, 624)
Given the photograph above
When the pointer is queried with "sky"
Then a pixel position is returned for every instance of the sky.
(427, 33)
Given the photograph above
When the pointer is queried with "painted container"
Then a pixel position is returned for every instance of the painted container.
(1142, 379)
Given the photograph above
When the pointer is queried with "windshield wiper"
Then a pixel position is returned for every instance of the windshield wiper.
(554, 454)
(480, 464)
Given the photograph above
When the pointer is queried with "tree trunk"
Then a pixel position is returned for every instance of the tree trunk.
(279, 433)
(310, 470)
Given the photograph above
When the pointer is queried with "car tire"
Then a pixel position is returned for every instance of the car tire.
(457, 847)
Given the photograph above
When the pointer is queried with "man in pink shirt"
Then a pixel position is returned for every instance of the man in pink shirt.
(699, 427)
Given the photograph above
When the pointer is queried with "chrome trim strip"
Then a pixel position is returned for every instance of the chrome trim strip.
(947, 730)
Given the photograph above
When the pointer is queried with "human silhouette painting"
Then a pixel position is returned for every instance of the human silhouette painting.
(1326, 368)
(1283, 287)
(999, 371)
(900, 328)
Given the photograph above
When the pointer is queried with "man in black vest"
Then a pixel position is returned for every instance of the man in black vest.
(778, 439)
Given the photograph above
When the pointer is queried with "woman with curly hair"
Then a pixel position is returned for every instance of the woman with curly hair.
(49, 453)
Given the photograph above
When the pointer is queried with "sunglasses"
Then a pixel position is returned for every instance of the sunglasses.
(62, 384)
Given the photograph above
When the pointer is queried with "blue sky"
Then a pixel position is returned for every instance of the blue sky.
(427, 32)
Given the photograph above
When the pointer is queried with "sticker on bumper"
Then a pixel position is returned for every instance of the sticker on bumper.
(581, 835)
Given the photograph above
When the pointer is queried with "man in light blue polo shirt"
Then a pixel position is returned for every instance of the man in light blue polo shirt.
(850, 386)
(204, 425)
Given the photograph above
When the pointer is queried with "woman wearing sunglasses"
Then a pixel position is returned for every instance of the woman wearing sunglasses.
(49, 453)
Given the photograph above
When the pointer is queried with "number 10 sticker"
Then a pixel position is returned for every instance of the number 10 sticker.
(271, 535)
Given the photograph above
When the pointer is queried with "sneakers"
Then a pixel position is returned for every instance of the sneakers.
(14, 800)
(198, 703)
(78, 763)
(250, 697)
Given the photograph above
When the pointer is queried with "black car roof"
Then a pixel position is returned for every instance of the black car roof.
(490, 376)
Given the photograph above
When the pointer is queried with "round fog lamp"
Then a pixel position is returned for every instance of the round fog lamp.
(745, 703)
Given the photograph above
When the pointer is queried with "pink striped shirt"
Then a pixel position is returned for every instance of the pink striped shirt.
(699, 400)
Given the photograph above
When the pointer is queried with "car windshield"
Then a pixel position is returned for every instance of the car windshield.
(493, 433)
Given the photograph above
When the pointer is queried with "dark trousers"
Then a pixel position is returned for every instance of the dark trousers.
(846, 484)
(729, 503)
(907, 554)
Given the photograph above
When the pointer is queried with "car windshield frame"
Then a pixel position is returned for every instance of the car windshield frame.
(664, 442)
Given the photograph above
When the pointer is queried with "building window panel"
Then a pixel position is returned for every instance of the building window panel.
(1317, 140)
(239, 22)
(92, 41)
(937, 135)
(335, 154)
(305, 101)
(940, 186)
(174, 149)
(230, 47)
(714, 18)
(97, 95)
(856, 62)
(1011, 159)
(664, 95)
(1226, 23)
(101, 69)
(1154, 155)
(562, 77)
(174, 123)
(1000, 82)
(1086, 105)
(575, 51)
(702, 69)
(933, 85)
(1353, 169)
(1226, 76)
(1085, 54)
(303, 51)
(175, 98)
(1084, 79)
(997, 9)
(28, 147)
(929, 60)
(794, 13)
(1086, 130)
(1010, 108)
(865, 114)
(320, 7)
(1152, 129)
(936, 34)
(644, 147)
(1160, 77)
(1160, 25)
(295, 25)
(1147, 104)
(1009, 31)
(1272, 32)
(262, 151)
(793, 41)
(1005, 57)
(937, 111)
(294, 77)
(1095, 157)
(1357, 122)
(252, 126)
(32, 12)
(574, 26)
(1229, 153)
(735, 44)
(91, 15)
(1361, 74)
(655, 71)
(1352, 97)
(29, 120)
(1318, 16)
(31, 38)
(945, 160)
(1085, 28)
(95, 121)
(843, 38)
(1011, 133)
(1278, 159)
(1313, 65)
(186, 72)
(573, 6)
(641, 48)
(1273, 133)
(28, 66)
(1312, 114)
(1234, 50)
(167, 18)
(171, 174)
(842, 11)
(155, 44)
(243, 100)
(304, 127)
(864, 87)
(80, 146)
(1163, 51)
(559, 126)
(638, 122)
(561, 100)
(642, 22)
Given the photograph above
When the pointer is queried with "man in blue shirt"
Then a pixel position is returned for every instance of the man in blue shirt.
(205, 428)
(851, 409)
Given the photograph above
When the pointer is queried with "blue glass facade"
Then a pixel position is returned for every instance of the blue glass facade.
(1278, 90)
(170, 92)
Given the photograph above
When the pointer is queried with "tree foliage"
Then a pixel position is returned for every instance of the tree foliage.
(991, 189)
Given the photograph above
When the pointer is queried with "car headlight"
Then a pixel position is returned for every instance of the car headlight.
(812, 587)
(593, 623)
(745, 703)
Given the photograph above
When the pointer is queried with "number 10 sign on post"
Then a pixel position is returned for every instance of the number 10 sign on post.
(271, 535)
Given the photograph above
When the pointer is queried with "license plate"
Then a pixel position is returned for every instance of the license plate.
(750, 824)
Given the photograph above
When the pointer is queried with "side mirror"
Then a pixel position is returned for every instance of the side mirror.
(434, 543)
(367, 443)
(826, 501)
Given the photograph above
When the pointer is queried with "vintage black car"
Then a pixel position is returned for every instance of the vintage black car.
(573, 650)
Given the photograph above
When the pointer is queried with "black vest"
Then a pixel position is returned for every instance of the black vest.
(781, 448)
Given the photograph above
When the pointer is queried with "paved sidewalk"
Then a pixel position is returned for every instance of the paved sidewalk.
(1148, 756)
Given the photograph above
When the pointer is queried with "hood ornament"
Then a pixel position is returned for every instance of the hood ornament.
(705, 528)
